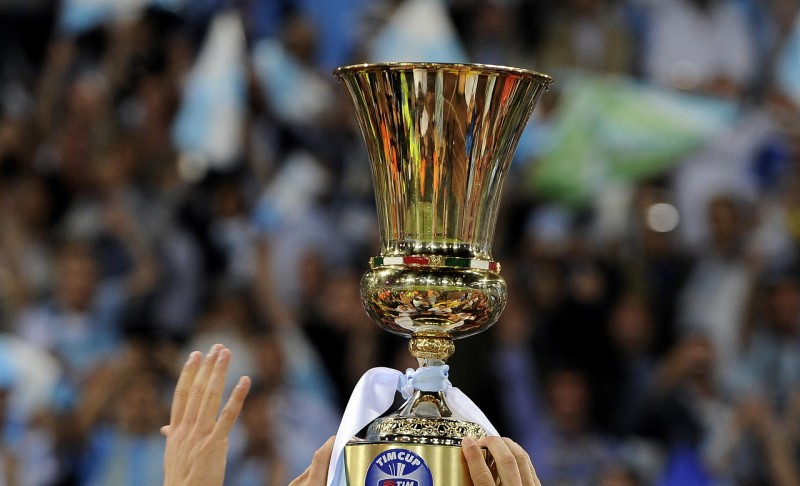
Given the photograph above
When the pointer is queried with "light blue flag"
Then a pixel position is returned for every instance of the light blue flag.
(78, 16)
(788, 68)
(296, 92)
(419, 30)
(614, 130)
(209, 125)
(81, 15)
(29, 373)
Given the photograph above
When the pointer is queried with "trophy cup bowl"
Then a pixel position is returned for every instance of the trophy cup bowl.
(440, 139)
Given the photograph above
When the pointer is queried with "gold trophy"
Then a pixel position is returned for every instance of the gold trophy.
(440, 139)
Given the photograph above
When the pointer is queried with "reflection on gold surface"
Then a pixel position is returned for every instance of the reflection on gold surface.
(441, 138)
(457, 302)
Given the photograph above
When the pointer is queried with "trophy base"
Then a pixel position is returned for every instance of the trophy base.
(404, 464)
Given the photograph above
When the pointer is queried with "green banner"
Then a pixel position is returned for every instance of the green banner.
(612, 130)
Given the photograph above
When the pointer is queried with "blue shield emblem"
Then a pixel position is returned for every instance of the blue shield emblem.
(398, 467)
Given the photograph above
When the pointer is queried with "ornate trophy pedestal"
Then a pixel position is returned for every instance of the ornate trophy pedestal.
(440, 139)
(425, 418)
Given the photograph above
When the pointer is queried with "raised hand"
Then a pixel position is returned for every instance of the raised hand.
(197, 437)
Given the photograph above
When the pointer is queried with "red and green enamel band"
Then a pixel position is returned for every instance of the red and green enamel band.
(435, 261)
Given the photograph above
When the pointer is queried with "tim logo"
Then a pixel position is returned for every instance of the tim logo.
(398, 467)
(397, 482)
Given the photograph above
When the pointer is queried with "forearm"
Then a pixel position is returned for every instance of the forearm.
(782, 468)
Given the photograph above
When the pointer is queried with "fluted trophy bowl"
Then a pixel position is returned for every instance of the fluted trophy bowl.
(440, 139)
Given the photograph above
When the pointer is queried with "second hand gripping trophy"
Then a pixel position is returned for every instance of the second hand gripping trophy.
(440, 139)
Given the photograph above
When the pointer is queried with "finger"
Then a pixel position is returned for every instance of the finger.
(318, 466)
(504, 459)
(199, 385)
(212, 396)
(229, 414)
(318, 470)
(526, 470)
(301, 479)
(476, 463)
(181, 394)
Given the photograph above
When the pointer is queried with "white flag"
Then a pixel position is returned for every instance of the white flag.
(419, 30)
(210, 122)
(788, 69)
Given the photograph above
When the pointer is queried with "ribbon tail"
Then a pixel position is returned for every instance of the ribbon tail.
(339, 477)
(372, 396)
(462, 405)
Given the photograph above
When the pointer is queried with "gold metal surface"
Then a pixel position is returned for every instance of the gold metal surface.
(433, 346)
(423, 430)
(452, 302)
(425, 418)
(447, 464)
(440, 138)
(461, 67)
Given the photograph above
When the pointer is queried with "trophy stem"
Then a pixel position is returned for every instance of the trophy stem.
(431, 346)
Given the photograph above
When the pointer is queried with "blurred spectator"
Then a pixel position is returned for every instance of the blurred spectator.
(260, 462)
(619, 476)
(653, 263)
(555, 429)
(586, 34)
(234, 235)
(770, 365)
(495, 34)
(549, 413)
(25, 251)
(699, 45)
(632, 331)
(120, 418)
(28, 377)
(577, 335)
(296, 420)
(82, 324)
(715, 298)
(230, 317)
(760, 441)
(345, 338)
(755, 447)
(8, 461)
(687, 413)
(293, 221)
(779, 25)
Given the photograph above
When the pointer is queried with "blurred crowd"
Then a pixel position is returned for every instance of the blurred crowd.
(647, 340)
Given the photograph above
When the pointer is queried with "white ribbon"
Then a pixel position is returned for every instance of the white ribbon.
(374, 394)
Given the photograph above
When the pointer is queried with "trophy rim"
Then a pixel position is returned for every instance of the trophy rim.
(446, 66)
